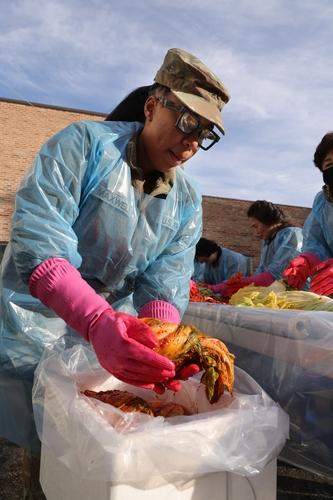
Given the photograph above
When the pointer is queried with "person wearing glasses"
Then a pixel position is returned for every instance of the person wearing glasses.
(104, 233)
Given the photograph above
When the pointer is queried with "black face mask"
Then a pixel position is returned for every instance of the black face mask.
(328, 175)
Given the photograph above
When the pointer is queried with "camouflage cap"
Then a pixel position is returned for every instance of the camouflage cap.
(194, 85)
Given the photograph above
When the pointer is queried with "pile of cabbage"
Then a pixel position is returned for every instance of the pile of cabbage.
(277, 296)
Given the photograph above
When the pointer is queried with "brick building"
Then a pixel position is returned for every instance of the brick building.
(225, 221)
(24, 127)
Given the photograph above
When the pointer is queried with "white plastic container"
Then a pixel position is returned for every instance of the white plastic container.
(59, 483)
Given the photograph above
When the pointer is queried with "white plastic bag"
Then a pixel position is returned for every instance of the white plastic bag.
(240, 433)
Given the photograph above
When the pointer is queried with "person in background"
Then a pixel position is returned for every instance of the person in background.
(280, 242)
(218, 263)
(106, 223)
(198, 272)
(316, 259)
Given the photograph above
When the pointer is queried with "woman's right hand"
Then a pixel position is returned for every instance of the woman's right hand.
(123, 344)
(124, 347)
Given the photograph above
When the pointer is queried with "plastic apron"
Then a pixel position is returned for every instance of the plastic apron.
(78, 203)
(229, 263)
(278, 252)
(318, 228)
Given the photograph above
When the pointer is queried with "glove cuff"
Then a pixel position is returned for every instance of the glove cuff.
(60, 286)
(160, 309)
(45, 277)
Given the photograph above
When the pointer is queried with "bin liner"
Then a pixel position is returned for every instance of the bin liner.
(240, 433)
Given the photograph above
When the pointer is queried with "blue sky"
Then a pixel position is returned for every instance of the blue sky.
(274, 56)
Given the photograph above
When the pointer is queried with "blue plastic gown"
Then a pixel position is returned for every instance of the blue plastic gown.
(77, 202)
(199, 269)
(278, 252)
(229, 263)
(318, 228)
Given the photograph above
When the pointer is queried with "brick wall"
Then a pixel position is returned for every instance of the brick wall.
(25, 127)
(226, 222)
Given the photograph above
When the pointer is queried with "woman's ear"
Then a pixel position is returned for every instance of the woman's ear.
(149, 107)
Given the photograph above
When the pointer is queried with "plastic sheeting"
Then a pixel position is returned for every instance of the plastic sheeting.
(241, 433)
(77, 202)
(290, 354)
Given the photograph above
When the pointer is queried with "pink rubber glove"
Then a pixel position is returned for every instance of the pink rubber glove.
(123, 344)
(299, 269)
(160, 309)
(220, 288)
(322, 280)
(261, 279)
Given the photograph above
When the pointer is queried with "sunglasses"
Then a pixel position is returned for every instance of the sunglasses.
(188, 123)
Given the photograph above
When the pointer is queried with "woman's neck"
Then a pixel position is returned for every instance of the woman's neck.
(274, 228)
(142, 158)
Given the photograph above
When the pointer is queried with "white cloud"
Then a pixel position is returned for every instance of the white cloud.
(274, 57)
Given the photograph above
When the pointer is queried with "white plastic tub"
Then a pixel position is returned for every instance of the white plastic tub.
(59, 483)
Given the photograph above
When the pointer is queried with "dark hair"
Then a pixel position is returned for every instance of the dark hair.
(205, 248)
(325, 145)
(267, 213)
(131, 108)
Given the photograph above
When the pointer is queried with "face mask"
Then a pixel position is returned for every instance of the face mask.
(328, 176)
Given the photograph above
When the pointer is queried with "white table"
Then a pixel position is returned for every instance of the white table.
(290, 354)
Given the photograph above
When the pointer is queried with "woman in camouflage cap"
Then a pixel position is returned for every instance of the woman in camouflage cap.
(104, 230)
